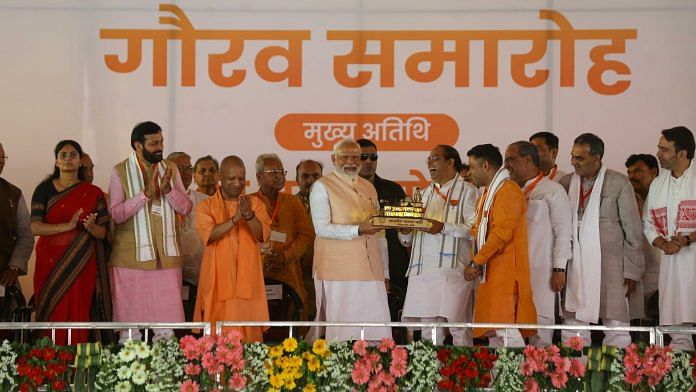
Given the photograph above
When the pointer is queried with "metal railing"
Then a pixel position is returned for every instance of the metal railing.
(656, 334)
(69, 326)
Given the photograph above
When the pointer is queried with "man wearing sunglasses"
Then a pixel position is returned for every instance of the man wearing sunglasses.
(391, 193)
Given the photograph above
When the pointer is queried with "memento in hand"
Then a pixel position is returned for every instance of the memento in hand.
(406, 214)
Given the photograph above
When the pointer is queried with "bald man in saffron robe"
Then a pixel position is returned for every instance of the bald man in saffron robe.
(232, 226)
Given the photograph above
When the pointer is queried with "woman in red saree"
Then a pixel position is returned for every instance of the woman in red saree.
(69, 216)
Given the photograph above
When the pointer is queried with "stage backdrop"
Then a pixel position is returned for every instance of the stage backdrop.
(249, 77)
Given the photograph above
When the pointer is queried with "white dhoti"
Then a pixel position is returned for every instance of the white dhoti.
(351, 301)
(439, 298)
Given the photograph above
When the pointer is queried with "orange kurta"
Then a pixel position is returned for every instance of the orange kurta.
(293, 221)
(506, 296)
(231, 279)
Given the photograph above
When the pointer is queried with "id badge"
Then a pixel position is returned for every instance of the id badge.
(278, 236)
(157, 210)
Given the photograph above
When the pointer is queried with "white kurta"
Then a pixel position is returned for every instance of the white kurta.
(549, 234)
(557, 175)
(678, 271)
(191, 244)
(346, 301)
(436, 285)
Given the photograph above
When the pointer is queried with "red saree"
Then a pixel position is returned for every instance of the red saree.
(65, 276)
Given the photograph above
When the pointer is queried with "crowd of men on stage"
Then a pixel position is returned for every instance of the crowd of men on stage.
(510, 239)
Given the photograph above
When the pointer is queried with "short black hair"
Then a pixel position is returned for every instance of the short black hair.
(488, 153)
(527, 149)
(366, 143)
(206, 158)
(682, 138)
(649, 160)
(550, 139)
(596, 144)
(142, 129)
(450, 152)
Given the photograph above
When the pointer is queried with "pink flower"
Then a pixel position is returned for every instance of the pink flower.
(632, 377)
(529, 351)
(398, 368)
(576, 343)
(205, 344)
(360, 347)
(531, 386)
(400, 353)
(360, 374)
(192, 369)
(561, 364)
(189, 386)
(631, 360)
(237, 382)
(553, 350)
(577, 368)
(559, 379)
(385, 345)
(209, 363)
(527, 367)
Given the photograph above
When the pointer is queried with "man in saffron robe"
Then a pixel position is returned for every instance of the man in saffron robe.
(232, 226)
(500, 246)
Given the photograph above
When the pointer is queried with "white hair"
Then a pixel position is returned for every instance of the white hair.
(261, 160)
(344, 143)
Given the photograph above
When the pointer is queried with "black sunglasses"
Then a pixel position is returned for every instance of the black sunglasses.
(364, 157)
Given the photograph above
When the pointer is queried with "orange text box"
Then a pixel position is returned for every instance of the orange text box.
(390, 132)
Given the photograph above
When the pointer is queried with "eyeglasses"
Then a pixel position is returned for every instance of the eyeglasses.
(68, 155)
(372, 157)
(275, 172)
(430, 160)
(185, 168)
(4, 157)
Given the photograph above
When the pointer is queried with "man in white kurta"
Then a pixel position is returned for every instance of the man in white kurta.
(549, 232)
(437, 290)
(669, 219)
(349, 268)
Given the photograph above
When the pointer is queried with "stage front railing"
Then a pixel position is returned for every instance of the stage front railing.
(656, 334)
(147, 326)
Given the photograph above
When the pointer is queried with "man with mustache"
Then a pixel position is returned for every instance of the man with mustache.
(547, 144)
(206, 174)
(607, 263)
(642, 170)
(145, 263)
(669, 223)
(291, 228)
(437, 290)
(549, 230)
(349, 270)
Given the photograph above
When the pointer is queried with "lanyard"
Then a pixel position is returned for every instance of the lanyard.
(528, 189)
(553, 172)
(444, 197)
(276, 208)
(584, 196)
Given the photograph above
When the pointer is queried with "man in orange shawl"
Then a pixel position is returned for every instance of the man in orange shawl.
(232, 226)
(500, 251)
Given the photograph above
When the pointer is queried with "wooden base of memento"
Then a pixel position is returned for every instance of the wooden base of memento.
(400, 223)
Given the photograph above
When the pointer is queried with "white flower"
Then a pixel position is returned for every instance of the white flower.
(139, 378)
(142, 351)
(126, 354)
(123, 373)
(123, 386)
(137, 366)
